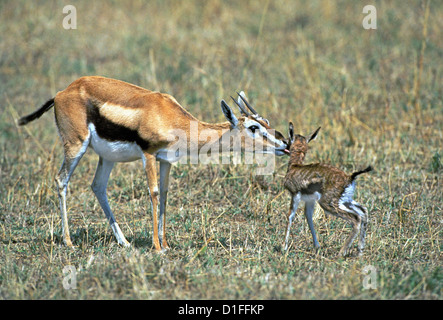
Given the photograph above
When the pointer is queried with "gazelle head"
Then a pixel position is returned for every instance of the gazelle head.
(258, 135)
(299, 144)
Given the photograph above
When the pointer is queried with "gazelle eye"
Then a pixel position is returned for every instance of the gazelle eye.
(253, 128)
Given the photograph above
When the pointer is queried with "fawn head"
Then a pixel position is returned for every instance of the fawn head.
(299, 144)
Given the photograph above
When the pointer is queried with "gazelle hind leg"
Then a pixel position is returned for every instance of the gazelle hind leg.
(295, 200)
(364, 223)
(361, 241)
(356, 224)
(99, 185)
(361, 216)
(349, 215)
(62, 180)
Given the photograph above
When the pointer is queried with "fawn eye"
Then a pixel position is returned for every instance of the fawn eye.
(253, 128)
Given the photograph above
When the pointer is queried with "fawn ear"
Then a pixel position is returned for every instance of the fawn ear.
(291, 132)
(313, 135)
(227, 111)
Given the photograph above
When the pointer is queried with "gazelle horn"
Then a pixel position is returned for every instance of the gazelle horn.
(247, 104)
(243, 110)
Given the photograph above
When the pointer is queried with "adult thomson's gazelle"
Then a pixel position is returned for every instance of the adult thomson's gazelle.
(123, 122)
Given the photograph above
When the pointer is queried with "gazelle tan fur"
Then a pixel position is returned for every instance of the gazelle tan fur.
(123, 122)
(330, 187)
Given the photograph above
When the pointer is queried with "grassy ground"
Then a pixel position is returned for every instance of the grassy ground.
(376, 93)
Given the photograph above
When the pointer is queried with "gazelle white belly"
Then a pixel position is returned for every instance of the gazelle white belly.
(115, 151)
(311, 197)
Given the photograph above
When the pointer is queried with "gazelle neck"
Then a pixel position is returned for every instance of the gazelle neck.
(220, 128)
(210, 133)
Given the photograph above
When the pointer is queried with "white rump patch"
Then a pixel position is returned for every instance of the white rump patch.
(348, 204)
(348, 194)
(347, 197)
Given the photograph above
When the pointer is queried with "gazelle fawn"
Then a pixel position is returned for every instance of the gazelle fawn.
(332, 188)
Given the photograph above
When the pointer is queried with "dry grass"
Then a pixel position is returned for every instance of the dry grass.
(377, 95)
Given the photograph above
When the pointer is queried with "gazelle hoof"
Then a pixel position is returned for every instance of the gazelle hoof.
(125, 244)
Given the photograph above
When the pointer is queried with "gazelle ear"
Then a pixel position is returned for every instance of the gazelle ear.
(313, 135)
(230, 116)
(291, 132)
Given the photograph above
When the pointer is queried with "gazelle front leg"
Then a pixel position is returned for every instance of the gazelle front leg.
(165, 168)
(151, 175)
(99, 185)
(295, 200)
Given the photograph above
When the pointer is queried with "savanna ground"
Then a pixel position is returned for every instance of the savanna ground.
(376, 93)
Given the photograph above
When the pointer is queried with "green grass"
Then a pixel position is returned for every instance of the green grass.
(307, 61)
